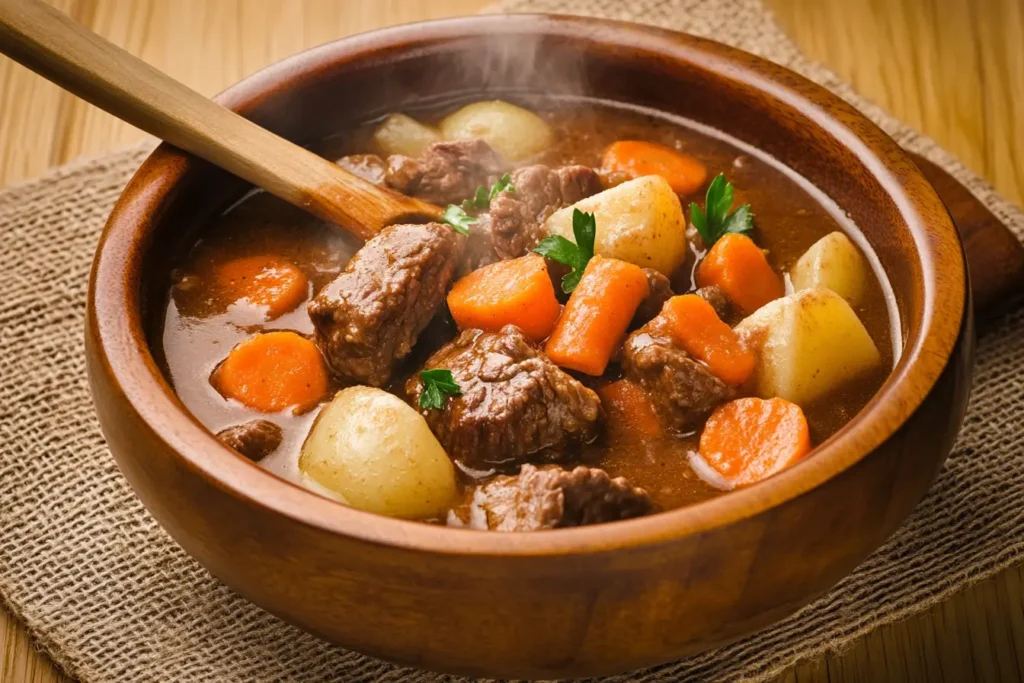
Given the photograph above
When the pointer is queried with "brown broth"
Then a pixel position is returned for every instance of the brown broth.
(198, 329)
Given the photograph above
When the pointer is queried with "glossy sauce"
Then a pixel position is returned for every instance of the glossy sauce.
(198, 329)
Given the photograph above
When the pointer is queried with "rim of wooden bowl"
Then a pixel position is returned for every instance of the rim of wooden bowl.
(115, 305)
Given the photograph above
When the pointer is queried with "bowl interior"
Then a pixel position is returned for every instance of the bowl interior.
(332, 88)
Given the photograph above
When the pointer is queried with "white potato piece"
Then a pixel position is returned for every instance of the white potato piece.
(807, 345)
(833, 262)
(376, 453)
(639, 221)
(516, 133)
(401, 134)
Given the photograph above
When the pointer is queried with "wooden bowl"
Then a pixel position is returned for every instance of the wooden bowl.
(572, 602)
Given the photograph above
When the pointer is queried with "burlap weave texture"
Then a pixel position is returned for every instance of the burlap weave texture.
(112, 598)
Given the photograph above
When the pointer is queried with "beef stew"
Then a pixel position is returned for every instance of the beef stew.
(622, 313)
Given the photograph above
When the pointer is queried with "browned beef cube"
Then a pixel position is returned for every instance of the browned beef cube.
(683, 390)
(718, 299)
(516, 405)
(447, 172)
(659, 291)
(512, 226)
(551, 497)
(369, 316)
(367, 166)
(610, 178)
(255, 439)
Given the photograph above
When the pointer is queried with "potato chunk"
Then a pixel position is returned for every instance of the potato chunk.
(833, 262)
(401, 134)
(514, 132)
(376, 453)
(639, 221)
(807, 345)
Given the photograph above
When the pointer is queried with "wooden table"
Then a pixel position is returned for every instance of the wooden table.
(953, 69)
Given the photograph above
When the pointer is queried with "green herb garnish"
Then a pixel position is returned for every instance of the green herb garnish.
(715, 220)
(481, 200)
(483, 197)
(576, 256)
(437, 384)
(457, 217)
(504, 184)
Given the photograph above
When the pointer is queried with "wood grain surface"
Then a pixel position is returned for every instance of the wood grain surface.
(954, 69)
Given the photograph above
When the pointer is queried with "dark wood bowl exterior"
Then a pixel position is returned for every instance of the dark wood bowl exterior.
(567, 602)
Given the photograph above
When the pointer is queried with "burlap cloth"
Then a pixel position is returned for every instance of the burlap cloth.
(111, 597)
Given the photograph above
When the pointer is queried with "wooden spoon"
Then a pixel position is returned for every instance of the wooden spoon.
(51, 44)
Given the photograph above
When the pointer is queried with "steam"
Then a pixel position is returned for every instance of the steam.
(529, 64)
(493, 68)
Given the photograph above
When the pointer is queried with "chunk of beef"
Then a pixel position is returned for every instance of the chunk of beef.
(610, 178)
(659, 291)
(371, 314)
(402, 173)
(515, 405)
(255, 439)
(718, 299)
(683, 390)
(367, 166)
(513, 225)
(515, 218)
(447, 172)
(551, 497)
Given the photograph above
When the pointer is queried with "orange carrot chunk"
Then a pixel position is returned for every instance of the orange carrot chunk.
(750, 439)
(273, 371)
(739, 267)
(514, 292)
(630, 410)
(597, 315)
(634, 158)
(263, 281)
(697, 328)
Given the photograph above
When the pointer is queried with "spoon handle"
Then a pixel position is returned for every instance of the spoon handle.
(51, 44)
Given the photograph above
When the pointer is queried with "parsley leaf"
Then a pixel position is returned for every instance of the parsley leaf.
(584, 228)
(437, 384)
(740, 221)
(576, 256)
(714, 220)
(482, 197)
(480, 200)
(504, 184)
(457, 217)
(557, 248)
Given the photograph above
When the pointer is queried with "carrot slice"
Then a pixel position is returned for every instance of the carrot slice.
(263, 281)
(739, 267)
(697, 328)
(635, 158)
(514, 292)
(273, 371)
(630, 410)
(750, 439)
(597, 315)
